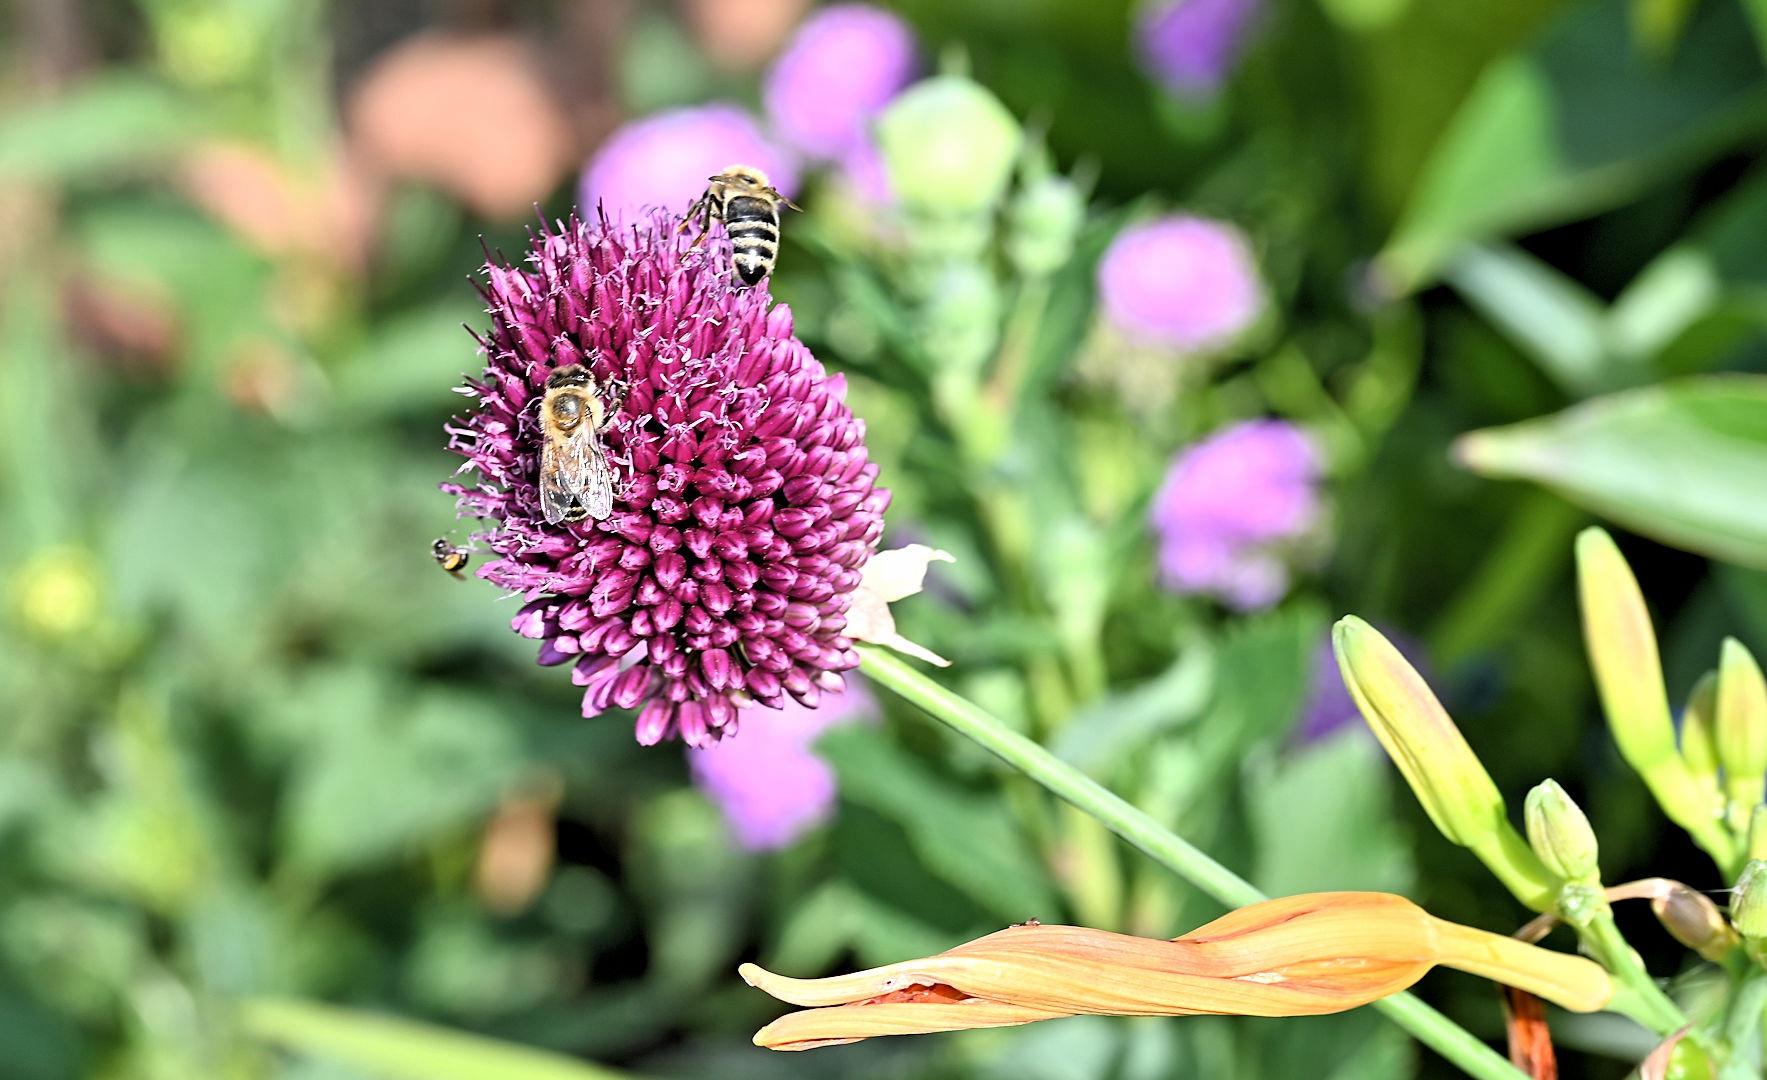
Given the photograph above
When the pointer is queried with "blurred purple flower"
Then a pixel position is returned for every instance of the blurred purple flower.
(1329, 706)
(1191, 46)
(663, 160)
(769, 782)
(744, 504)
(1227, 502)
(1182, 281)
(842, 67)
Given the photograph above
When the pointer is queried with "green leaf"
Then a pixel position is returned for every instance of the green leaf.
(403, 1049)
(1555, 321)
(1321, 818)
(969, 839)
(1103, 734)
(107, 124)
(1578, 124)
(1684, 462)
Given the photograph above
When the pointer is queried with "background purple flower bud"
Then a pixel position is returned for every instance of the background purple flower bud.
(1186, 282)
(1191, 46)
(1227, 503)
(744, 504)
(770, 784)
(841, 68)
(663, 160)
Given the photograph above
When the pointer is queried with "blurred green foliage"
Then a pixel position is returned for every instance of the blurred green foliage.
(255, 747)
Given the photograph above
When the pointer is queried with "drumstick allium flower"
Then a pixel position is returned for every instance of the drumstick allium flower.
(744, 505)
(1294, 956)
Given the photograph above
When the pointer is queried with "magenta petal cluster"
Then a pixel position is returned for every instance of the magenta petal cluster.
(770, 784)
(845, 63)
(1226, 506)
(1191, 46)
(664, 160)
(1181, 281)
(744, 503)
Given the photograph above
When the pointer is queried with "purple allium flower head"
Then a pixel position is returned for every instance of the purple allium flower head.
(1191, 46)
(770, 783)
(1187, 282)
(1226, 501)
(843, 66)
(744, 505)
(664, 160)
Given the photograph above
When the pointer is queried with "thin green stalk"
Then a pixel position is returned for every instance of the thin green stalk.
(1423, 1022)
(1647, 1003)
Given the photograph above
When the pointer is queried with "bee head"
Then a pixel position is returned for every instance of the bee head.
(742, 176)
(570, 375)
(441, 548)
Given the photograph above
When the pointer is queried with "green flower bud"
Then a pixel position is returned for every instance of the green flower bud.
(1629, 676)
(948, 146)
(1699, 746)
(1560, 834)
(1748, 904)
(1445, 775)
(1757, 837)
(1741, 729)
(1046, 217)
(55, 594)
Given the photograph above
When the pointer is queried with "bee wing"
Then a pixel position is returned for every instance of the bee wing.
(597, 494)
(575, 470)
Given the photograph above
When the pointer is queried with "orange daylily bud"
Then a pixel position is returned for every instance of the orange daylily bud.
(1295, 956)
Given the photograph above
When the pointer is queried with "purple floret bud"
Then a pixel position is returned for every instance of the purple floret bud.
(1191, 46)
(842, 67)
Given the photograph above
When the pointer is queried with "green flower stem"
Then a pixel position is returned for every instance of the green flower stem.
(1423, 1023)
(1643, 1000)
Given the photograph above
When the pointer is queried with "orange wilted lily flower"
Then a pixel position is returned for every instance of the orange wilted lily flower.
(1295, 956)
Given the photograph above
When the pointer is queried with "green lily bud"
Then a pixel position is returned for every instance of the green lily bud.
(1629, 677)
(1445, 775)
(1757, 837)
(948, 146)
(1691, 918)
(1046, 217)
(1699, 722)
(1560, 834)
(1748, 904)
(1741, 729)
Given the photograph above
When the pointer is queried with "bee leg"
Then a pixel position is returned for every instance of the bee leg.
(692, 209)
(705, 225)
(616, 402)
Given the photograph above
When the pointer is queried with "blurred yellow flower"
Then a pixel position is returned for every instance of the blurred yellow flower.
(1295, 956)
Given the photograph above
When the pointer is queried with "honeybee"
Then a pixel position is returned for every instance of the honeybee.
(448, 557)
(576, 480)
(748, 205)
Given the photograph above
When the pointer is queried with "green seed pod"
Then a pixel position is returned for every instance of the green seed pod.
(1560, 834)
(948, 146)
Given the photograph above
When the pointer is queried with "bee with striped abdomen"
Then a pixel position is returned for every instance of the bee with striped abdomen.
(448, 557)
(576, 480)
(747, 204)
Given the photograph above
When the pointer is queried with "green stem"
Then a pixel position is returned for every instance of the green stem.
(886, 669)
(1646, 1002)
